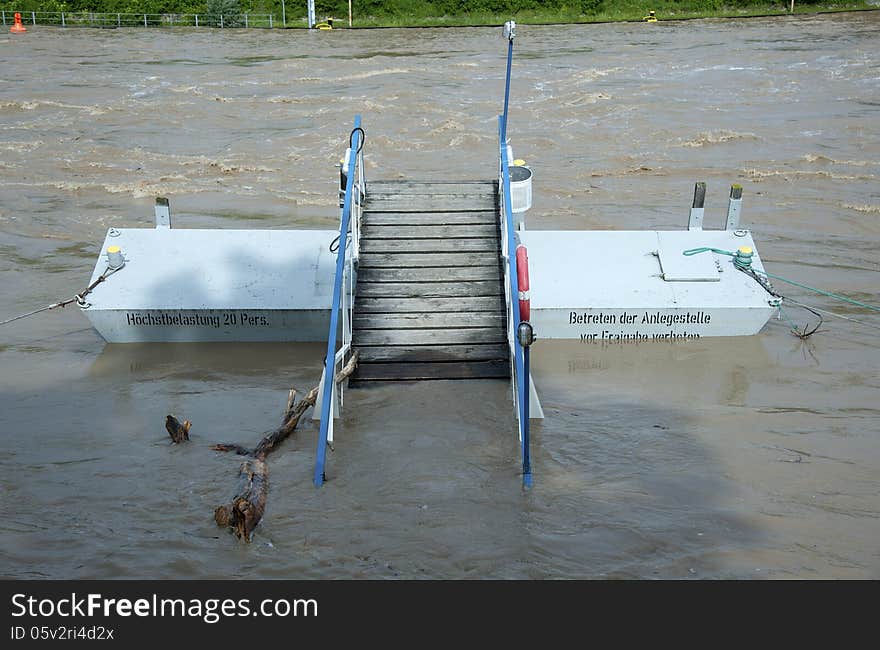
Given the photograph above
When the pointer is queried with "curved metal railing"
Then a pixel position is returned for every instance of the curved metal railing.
(343, 291)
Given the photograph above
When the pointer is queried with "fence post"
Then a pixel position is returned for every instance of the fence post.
(118, 20)
(221, 21)
(34, 18)
(245, 21)
(63, 24)
(197, 20)
(4, 18)
(145, 20)
(270, 21)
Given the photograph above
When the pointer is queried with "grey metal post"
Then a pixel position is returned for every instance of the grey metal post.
(221, 21)
(118, 20)
(4, 18)
(283, 15)
(734, 207)
(695, 219)
(245, 21)
(163, 212)
(311, 14)
(197, 20)
(63, 24)
(34, 18)
(145, 20)
(270, 21)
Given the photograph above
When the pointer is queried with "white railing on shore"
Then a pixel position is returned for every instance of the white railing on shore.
(99, 19)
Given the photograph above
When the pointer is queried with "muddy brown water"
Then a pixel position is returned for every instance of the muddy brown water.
(755, 457)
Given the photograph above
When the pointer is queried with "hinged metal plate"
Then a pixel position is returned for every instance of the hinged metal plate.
(677, 267)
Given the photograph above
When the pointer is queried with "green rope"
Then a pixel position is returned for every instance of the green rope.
(745, 264)
(820, 291)
(705, 249)
(783, 313)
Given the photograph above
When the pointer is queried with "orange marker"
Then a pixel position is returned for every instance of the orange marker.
(17, 28)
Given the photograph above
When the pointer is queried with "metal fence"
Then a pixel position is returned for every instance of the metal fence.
(110, 20)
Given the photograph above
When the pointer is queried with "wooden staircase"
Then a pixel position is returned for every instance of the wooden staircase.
(430, 301)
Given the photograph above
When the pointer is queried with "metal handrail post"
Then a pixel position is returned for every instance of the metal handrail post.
(330, 359)
(510, 33)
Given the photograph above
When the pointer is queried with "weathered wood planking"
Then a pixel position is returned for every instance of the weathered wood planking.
(484, 245)
(430, 299)
(429, 320)
(446, 336)
(417, 260)
(428, 353)
(404, 305)
(429, 218)
(448, 370)
(429, 289)
(428, 274)
(451, 289)
(428, 231)
(430, 187)
(430, 203)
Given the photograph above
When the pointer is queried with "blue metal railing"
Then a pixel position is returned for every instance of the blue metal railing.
(329, 380)
(520, 377)
(520, 353)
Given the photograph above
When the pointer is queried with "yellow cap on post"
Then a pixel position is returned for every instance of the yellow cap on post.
(745, 250)
(113, 249)
(519, 162)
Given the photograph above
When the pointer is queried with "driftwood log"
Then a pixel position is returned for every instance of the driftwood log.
(178, 432)
(246, 509)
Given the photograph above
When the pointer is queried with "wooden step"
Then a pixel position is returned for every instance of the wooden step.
(428, 274)
(431, 203)
(430, 187)
(428, 231)
(432, 353)
(371, 218)
(429, 320)
(429, 289)
(417, 260)
(444, 336)
(414, 305)
(417, 371)
(484, 245)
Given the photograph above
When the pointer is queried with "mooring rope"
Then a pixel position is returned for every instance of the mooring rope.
(742, 260)
(78, 298)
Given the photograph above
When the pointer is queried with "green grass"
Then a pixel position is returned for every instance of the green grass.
(622, 11)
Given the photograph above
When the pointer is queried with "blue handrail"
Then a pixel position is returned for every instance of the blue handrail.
(330, 360)
(519, 369)
(520, 356)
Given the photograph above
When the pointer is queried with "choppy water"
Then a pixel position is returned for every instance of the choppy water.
(747, 457)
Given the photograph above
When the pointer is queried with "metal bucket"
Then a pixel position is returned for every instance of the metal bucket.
(520, 189)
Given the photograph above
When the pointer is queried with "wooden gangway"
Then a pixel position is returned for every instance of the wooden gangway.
(429, 301)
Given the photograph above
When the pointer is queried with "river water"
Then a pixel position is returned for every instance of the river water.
(754, 457)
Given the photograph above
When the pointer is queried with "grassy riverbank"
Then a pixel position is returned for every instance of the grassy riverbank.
(451, 13)
(609, 11)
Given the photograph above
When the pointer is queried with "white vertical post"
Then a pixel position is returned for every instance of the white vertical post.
(349, 13)
(118, 20)
(63, 24)
(163, 212)
(221, 21)
(197, 20)
(311, 14)
(270, 21)
(245, 21)
(283, 15)
(734, 207)
(145, 20)
(695, 219)
(34, 18)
